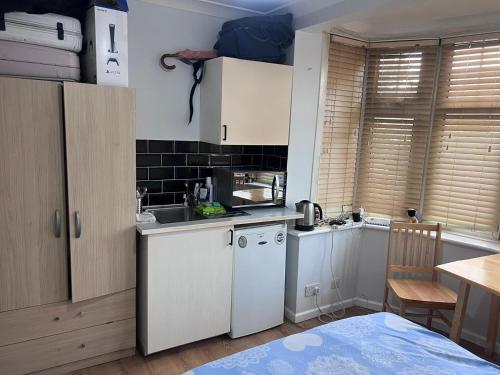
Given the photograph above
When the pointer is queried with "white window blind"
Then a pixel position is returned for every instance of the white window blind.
(463, 178)
(395, 130)
(340, 127)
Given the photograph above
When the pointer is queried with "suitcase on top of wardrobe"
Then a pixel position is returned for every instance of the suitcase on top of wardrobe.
(32, 61)
(50, 30)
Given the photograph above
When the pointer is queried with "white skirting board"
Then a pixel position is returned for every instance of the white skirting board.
(377, 306)
(313, 313)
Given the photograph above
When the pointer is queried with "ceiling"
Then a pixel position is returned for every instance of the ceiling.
(392, 19)
(366, 19)
(254, 6)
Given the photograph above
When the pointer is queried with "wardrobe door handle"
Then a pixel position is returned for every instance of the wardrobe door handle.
(225, 133)
(57, 224)
(78, 224)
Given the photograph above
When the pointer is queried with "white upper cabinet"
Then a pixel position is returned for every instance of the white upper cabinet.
(245, 102)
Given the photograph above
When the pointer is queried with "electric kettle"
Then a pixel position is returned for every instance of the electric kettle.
(309, 210)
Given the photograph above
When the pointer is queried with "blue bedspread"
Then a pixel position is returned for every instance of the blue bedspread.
(381, 343)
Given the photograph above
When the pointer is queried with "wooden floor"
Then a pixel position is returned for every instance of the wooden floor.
(179, 360)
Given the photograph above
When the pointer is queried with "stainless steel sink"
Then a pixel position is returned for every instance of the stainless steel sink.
(179, 214)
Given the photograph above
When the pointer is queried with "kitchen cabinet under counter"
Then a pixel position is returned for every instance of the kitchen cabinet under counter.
(185, 277)
(184, 287)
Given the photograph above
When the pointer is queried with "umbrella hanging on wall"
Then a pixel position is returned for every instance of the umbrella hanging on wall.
(195, 59)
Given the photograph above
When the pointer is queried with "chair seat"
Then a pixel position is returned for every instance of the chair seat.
(422, 291)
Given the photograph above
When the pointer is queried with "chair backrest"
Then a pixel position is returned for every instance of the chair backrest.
(410, 249)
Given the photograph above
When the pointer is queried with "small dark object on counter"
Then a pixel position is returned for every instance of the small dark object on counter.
(412, 215)
(356, 217)
(337, 222)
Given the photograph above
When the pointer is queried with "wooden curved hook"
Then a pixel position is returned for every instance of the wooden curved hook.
(164, 64)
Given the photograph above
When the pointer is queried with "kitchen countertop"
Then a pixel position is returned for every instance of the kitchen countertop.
(257, 215)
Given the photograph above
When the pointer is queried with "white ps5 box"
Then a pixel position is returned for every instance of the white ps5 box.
(105, 55)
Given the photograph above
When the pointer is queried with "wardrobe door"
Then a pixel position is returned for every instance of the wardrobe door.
(100, 158)
(33, 249)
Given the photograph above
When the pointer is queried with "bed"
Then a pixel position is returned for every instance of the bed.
(381, 343)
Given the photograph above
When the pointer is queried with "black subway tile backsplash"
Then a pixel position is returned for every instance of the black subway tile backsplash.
(220, 160)
(209, 148)
(164, 167)
(174, 160)
(197, 159)
(252, 150)
(141, 146)
(141, 174)
(161, 173)
(186, 147)
(273, 162)
(148, 160)
(281, 151)
(152, 186)
(174, 186)
(206, 172)
(231, 149)
(184, 173)
(161, 199)
(284, 163)
(161, 147)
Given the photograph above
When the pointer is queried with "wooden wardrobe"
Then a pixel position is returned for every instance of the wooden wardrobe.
(67, 233)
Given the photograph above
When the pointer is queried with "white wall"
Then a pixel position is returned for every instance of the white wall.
(308, 262)
(163, 97)
(308, 82)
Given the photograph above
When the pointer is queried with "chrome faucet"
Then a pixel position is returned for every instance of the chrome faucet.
(192, 198)
(140, 192)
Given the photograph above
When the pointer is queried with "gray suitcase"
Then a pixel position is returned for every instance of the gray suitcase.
(49, 30)
(33, 61)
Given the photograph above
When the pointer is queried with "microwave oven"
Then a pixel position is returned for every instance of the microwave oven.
(247, 188)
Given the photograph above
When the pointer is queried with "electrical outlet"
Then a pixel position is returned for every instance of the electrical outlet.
(336, 283)
(312, 289)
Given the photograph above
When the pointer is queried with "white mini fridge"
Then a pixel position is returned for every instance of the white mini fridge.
(258, 294)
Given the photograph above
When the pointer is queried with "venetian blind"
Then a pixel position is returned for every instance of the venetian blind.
(395, 131)
(340, 127)
(463, 178)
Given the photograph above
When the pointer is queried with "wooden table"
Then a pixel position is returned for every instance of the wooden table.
(482, 272)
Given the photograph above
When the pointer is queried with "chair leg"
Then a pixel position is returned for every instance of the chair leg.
(402, 309)
(384, 302)
(429, 319)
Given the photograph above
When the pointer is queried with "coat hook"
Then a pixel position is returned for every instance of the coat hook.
(164, 64)
(187, 57)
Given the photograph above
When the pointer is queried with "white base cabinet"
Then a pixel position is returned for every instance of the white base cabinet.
(245, 102)
(184, 287)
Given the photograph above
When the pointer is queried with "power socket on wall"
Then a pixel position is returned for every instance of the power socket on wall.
(311, 290)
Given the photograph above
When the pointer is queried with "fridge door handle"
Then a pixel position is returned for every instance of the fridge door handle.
(231, 238)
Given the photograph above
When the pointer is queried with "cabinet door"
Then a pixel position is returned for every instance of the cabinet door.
(33, 250)
(100, 154)
(189, 277)
(256, 99)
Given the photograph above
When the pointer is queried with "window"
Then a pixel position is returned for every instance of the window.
(340, 127)
(395, 129)
(429, 124)
(463, 178)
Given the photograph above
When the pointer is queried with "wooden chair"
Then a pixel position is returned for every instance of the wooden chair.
(411, 276)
